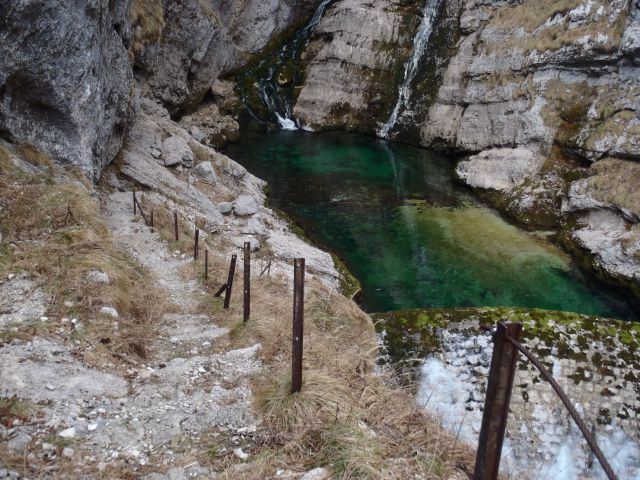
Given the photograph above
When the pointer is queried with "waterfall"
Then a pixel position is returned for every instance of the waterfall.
(268, 86)
(420, 43)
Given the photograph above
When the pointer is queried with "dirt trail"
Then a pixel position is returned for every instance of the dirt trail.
(157, 416)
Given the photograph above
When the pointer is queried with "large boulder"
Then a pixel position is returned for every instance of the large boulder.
(65, 78)
(176, 151)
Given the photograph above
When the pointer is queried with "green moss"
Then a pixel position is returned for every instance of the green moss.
(349, 284)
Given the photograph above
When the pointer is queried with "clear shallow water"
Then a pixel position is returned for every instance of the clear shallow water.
(411, 235)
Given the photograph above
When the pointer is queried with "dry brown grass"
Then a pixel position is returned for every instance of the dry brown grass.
(346, 418)
(615, 182)
(147, 22)
(531, 15)
(53, 232)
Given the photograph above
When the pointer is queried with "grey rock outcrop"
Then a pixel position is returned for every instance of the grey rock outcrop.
(355, 56)
(176, 151)
(202, 40)
(65, 78)
(206, 172)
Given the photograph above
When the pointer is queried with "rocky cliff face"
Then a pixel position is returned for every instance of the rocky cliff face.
(67, 68)
(201, 41)
(536, 91)
(355, 62)
(542, 90)
(65, 78)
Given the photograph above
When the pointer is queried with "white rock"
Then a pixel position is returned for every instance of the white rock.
(316, 474)
(244, 205)
(68, 433)
(156, 152)
(176, 151)
(68, 452)
(92, 427)
(225, 207)
(96, 276)
(205, 171)
(112, 312)
(44, 319)
(238, 452)
(47, 446)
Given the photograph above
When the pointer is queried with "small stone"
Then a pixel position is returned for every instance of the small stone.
(19, 442)
(68, 452)
(47, 446)
(92, 427)
(112, 312)
(238, 452)
(245, 205)
(156, 152)
(44, 319)
(68, 433)
(205, 171)
(11, 276)
(176, 151)
(68, 303)
(316, 474)
(50, 387)
(96, 276)
(225, 207)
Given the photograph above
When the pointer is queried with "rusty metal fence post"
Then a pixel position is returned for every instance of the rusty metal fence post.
(196, 236)
(175, 224)
(247, 282)
(134, 203)
(298, 325)
(232, 271)
(206, 265)
(496, 406)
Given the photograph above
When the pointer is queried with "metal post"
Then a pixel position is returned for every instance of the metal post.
(206, 265)
(223, 288)
(496, 406)
(298, 321)
(175, 224)
(134, 203)
(232, 271)
(195, 245)
(247, 282)
(152, 220)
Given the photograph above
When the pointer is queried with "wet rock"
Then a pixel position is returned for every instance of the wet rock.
(176, 151)
(245, 205)
(206, 172)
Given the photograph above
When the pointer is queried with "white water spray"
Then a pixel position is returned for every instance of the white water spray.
(420, 43)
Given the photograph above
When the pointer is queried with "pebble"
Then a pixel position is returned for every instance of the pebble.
(92, 427)
(68, 433)
(68, 452)
(112, 312)
(242, 455)
(316, 474)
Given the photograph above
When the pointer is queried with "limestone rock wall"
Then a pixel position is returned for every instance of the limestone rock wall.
(354, 64)
(65, 78)
(201, 40)
(561, 79)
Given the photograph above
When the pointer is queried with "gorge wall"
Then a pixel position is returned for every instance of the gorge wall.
(542, 96)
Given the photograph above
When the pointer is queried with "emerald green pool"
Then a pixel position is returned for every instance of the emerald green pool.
(412, 236)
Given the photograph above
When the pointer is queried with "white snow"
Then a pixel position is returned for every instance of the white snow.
(444, 393)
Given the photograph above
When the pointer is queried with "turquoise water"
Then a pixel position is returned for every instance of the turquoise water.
(410, 234)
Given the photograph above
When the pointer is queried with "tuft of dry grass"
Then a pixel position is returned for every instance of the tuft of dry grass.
(147, 23)
(53, 231)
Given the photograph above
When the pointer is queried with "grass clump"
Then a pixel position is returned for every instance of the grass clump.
(53, 233)
(147, 23)
(346, 418)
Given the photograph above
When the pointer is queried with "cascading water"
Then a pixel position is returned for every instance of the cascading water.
(270, 76)
(420, 43)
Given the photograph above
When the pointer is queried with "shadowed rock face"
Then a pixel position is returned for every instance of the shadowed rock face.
(203, 40)
(65, 78)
